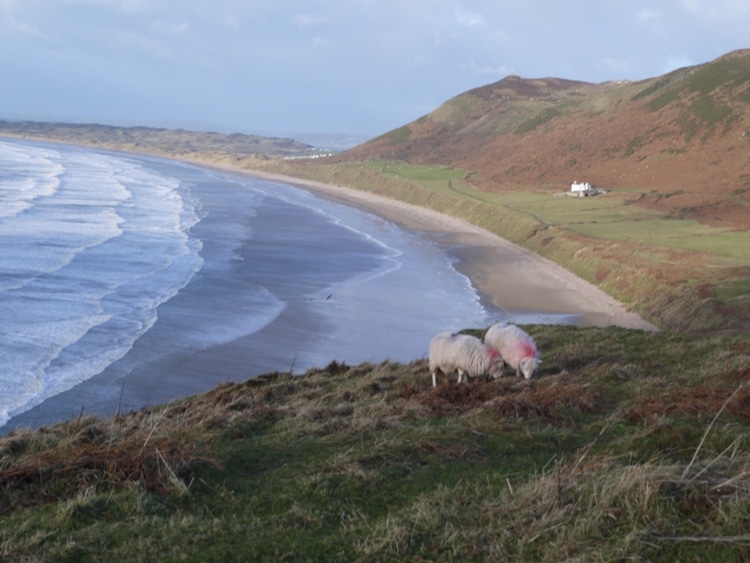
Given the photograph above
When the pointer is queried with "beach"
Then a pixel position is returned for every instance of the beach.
(506, 275)
(508, 282)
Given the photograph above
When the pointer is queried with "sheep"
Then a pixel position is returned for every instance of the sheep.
(464, 353)
(516, 347)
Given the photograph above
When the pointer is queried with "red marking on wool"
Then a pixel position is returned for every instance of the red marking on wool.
(528, 350)
(492, 353)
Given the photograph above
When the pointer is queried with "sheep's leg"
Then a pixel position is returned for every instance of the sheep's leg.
(461, 376)
(434, 378)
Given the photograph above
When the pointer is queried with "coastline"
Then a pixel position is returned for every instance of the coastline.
(506, 277)
(536, 284)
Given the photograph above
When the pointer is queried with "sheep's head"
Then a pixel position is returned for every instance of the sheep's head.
(496, 364)
(528, 366)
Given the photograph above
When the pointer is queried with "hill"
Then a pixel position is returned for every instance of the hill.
(627, 445)
(165, 142)
(681, 139)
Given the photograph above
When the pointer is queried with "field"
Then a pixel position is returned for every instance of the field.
(610, 216)
(627, 445)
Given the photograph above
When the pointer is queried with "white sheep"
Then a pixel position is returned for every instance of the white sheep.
(465, 354)
(516, 347)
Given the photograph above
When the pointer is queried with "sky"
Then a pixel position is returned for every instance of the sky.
(358, 67)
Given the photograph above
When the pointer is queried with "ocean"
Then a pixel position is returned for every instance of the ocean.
(119, 274)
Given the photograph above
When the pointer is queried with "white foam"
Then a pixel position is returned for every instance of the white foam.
(93, 244)
(27, 175)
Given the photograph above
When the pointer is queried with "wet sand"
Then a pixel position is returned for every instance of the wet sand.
(506, 275)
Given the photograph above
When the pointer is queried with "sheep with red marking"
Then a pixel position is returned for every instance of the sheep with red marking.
(516, 347)
(465, 354)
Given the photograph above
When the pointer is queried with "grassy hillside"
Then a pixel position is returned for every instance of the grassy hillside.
(678, 273)
(628, 445)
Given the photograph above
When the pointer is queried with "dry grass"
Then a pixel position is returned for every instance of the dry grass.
(601, 509)
(626, 446)
(152, 450)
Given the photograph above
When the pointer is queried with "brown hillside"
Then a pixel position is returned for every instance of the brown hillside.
(682, 139)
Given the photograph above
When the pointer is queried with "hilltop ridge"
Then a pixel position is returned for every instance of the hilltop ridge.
(684, 134)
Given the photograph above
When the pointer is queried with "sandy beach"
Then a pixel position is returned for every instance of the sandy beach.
(506, 275)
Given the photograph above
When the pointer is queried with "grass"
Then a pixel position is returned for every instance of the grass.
(608, 217)
(628, 445)
(400, 135)
(611, 218)
(702, 83)
(733, 290)
(541, 118)
(162, 142)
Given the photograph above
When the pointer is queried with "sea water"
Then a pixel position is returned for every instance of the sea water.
(112, 262)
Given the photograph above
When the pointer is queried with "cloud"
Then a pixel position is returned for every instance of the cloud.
(176, 29)
(128, 6)
(502, 70)
(648, 15)
(673, 63)
(9, 14)
(416, 61)
(304, 21)
(617, 65)
(693, 6)
(469, 19)
(146, 44)
(231, 22)
(25, 29)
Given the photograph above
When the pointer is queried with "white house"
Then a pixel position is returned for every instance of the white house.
(580, 187)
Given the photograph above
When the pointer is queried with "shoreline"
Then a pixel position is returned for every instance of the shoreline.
(536, 284)
(475, 249)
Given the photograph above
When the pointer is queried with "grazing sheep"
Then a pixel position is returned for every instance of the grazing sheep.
(463, 353)
(516, 347)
